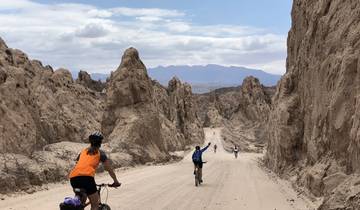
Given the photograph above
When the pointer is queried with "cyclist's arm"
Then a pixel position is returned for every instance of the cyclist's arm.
(205, 148)
(107, 166)
(110, 170)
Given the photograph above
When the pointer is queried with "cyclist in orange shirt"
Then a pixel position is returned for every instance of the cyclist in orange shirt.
(82, 175)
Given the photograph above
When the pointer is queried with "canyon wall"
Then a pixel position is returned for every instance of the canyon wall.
(241, 111)
(44, 117)
(314, 127)
(40, 106)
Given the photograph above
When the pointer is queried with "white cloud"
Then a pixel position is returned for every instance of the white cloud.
(100, 13)
(79, 36)
(149, 18)
(154, 12)
(274, 67)
(16, 4)
(178, 26)
(92, 30)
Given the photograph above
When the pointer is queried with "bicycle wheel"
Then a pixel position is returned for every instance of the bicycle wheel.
(104, 207)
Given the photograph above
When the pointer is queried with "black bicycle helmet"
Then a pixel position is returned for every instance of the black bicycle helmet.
(96, 138)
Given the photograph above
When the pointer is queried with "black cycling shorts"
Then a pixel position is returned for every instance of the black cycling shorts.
(84, 182)
(198, 164)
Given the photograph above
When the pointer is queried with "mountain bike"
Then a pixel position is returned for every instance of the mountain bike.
(81, 197)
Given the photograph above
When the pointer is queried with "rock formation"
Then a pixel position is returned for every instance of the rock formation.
(45, 116)
(39, 106)
(314, 128)
(85, 79)
(143, 118)
(241, 111)
(183, 111)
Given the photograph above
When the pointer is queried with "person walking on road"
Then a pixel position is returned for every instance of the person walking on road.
(215, 147)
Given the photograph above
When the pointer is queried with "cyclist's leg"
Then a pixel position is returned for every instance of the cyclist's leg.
(94, 201)
(86, 185)
(89, 185)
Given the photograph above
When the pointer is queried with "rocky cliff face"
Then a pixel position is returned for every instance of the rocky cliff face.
(39, 106)
(254, 104)
(242, 111)
(144, 118)
(314, 130)
(46, 117)
(183, 112)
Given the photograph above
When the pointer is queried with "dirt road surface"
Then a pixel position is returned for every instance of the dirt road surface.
(229, 183)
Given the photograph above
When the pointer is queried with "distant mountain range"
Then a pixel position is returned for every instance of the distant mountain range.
(205, 78)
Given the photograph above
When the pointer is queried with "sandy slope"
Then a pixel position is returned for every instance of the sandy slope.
(228, 184)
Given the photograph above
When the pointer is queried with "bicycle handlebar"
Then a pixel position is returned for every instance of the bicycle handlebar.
(107, 185)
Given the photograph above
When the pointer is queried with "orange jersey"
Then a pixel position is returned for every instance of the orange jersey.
(86, 165)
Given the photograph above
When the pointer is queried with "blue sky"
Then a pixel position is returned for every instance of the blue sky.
(271, 14)
(92, 34)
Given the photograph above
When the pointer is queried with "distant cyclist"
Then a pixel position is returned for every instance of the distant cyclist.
(82, 175)
(197, 160)
(215, 147)
(236, 151)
